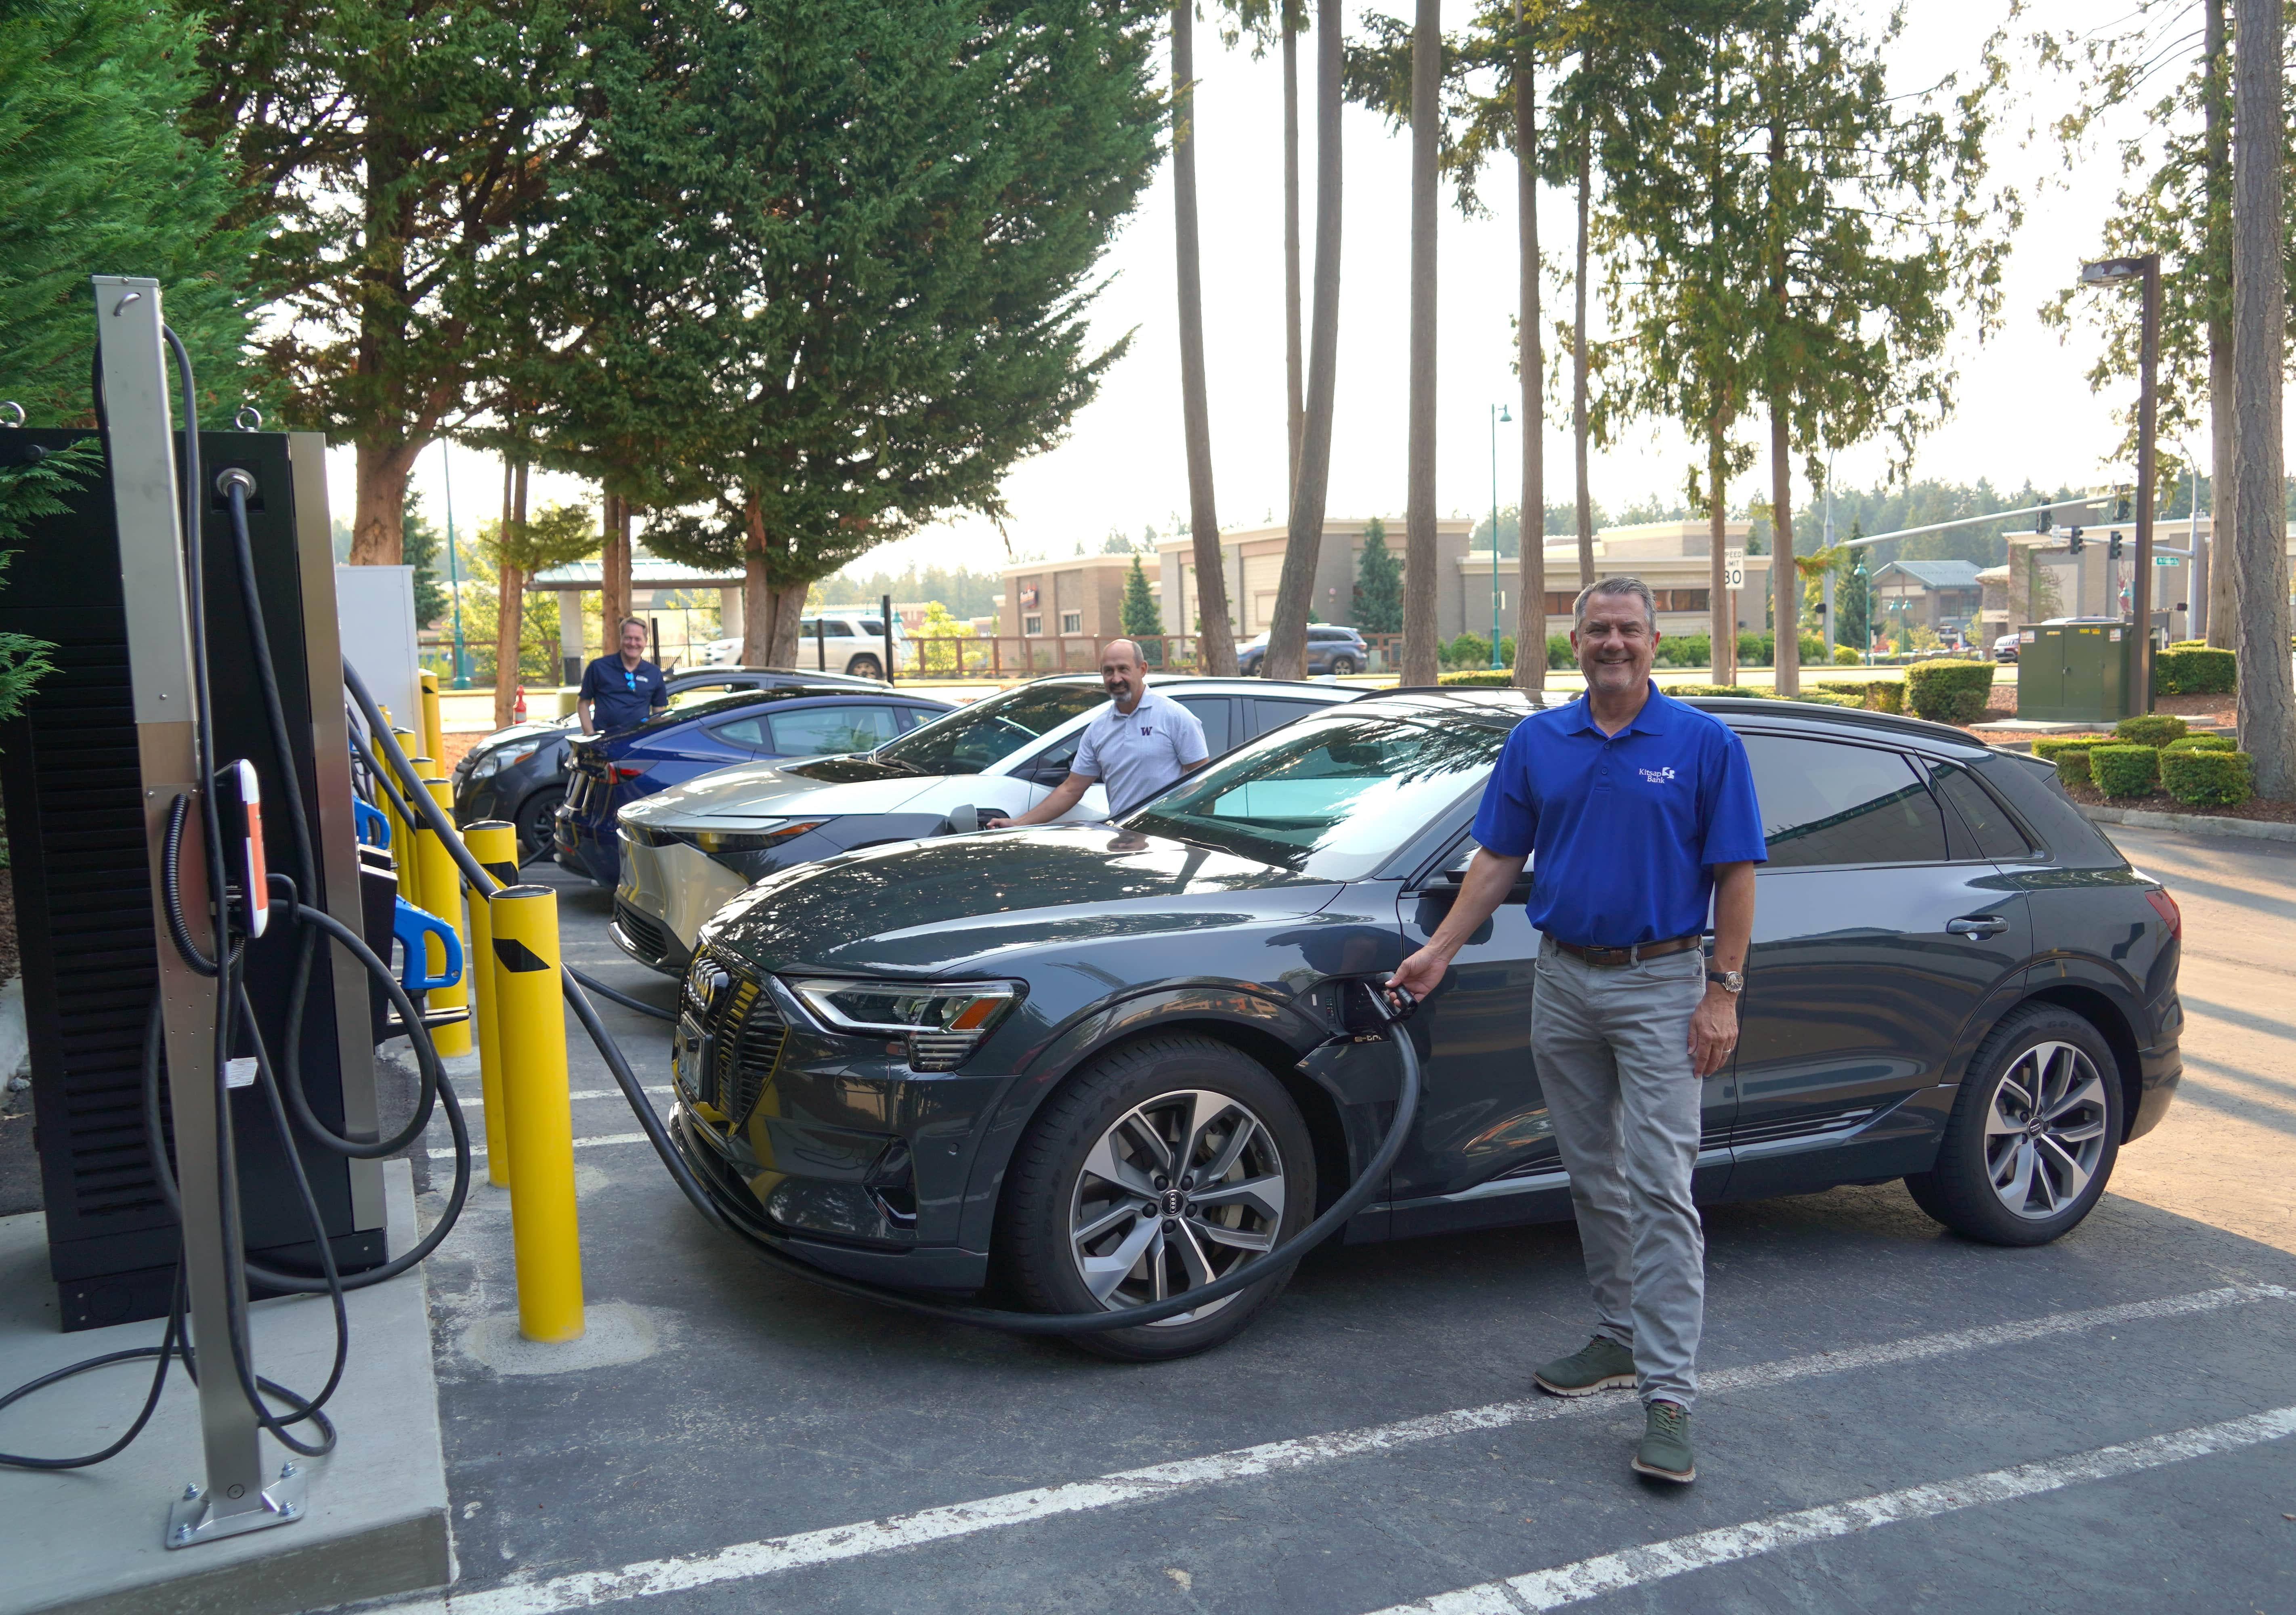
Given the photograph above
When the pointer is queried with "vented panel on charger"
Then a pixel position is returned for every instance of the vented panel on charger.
(75, 793)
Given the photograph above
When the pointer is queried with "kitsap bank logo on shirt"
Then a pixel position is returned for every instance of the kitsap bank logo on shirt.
(1657, 777)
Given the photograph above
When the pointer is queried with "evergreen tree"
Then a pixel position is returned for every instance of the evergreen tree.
(1378, 584)
(1140, 613)
(97, 178)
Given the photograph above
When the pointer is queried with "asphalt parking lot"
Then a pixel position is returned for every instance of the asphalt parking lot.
(1892, 1418)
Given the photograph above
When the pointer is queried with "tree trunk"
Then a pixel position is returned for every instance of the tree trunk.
(510, 617)
(1786, 583)
(1578, 359)
(1531, 525)
(1725, 631)
(1216, 643)
(378, 518)
(1422, 658)
(1294, 378)
(2268, 725)
(614, 569)
(2213, 617)
(1287, 636)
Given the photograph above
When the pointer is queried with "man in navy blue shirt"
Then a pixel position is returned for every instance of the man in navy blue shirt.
(1637, 815)
(621, 691)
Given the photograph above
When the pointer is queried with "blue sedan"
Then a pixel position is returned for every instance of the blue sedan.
(608, 772)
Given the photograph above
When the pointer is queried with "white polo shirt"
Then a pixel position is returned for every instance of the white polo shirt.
(1137, 754)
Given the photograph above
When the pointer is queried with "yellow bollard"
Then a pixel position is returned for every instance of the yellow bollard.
(442, 894)
(410, 862)
(494, 842)
(434, 736)
(530, 1022)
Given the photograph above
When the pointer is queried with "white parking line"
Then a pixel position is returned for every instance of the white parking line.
(478, 1151)
(587, 1589)
(1570, 1584)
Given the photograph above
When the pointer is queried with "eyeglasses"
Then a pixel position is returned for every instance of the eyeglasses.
(629, 679)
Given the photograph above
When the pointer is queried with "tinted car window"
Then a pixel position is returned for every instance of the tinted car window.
(749, 731)
(988, 732)
(1330, 796)
(819, 729)
(1996, 833)
(1827, 803)
(1212, 711)
(1266, 714)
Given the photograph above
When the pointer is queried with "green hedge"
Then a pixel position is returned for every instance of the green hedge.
(1684, 690)
(2192, 670)
(1826, 697)
(1875, 695)
(2200, 742)
(2125, 770)
(2207, 779)
(2155, 729)
(1480, 677)
(2051, 747)
(2073, 766)
(1950, 692)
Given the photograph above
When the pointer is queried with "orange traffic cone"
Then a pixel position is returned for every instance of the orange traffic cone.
(518, 708)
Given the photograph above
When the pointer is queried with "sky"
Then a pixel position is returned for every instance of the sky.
(2024, 408)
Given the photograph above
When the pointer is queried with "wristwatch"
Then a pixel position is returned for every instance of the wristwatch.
(1729, 980)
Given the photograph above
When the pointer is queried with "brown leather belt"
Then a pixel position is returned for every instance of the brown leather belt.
(1611, 957)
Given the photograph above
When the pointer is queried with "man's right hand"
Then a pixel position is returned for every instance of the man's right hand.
(995, 823)
(1422, 972)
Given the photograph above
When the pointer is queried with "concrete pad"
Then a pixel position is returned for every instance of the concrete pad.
(87, 1541)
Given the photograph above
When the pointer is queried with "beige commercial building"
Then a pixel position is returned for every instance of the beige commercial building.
(1081, 597)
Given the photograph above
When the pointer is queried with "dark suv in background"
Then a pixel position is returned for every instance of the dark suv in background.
(519, 774)
(1330, 649)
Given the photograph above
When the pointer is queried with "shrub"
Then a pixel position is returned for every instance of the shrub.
(2192, 670)
(1482, 677)
(2049, 748)
(1846, 656)
(1875, 695)
(1683, 651)
(1684, 690)
(2206, 779)
(2121, 770)
(2200, 742)
(1950, 692)
(1822, 698)
(1467, 651)
(2154, 729)
(2073, 766)
(2188, 644)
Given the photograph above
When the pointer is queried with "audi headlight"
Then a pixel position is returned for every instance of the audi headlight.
(944, 1021)
(756, 838)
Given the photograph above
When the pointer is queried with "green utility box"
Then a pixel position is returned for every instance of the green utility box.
(2077, 672)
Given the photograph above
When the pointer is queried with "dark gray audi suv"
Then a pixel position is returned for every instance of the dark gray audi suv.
(1091, 1065)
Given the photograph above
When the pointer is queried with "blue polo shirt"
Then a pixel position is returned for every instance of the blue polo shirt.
(1622, 830)
(623, 697)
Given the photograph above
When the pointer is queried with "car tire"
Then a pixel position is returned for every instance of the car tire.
(1132, 1101)
(866, 667)
(1341, 665)
(536, 823)
(2000, 1178)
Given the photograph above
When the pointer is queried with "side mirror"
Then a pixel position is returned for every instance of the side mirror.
(964, 820)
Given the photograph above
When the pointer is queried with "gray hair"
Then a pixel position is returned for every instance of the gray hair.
(1615, 586)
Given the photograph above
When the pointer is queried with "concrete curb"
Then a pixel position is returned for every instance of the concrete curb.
(2194, 824)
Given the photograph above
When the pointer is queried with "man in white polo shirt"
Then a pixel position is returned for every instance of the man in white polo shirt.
(1137, 745)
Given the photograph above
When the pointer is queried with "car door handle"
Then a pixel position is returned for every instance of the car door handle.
(1974, 926)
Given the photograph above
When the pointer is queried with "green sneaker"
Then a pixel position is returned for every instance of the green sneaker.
(1665, 1452)
(1597, 1365)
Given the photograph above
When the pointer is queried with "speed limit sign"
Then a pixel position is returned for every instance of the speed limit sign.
(1734, 569)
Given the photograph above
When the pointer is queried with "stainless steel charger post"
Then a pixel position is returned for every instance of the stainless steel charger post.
(150, 502)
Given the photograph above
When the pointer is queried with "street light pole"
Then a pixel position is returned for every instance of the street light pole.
(2145, 270)
(1521, 532)
(454, 578)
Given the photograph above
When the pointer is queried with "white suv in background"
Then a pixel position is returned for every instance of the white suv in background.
(834, 641)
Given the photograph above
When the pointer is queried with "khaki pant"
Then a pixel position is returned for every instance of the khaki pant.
(1613, 1047)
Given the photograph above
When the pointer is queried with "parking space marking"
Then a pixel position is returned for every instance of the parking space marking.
(478, 1151)
(1634, 1567)
(587, 1589)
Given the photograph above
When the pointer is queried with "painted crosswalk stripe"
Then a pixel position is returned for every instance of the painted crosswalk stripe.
(588, 1589)
(1569, 1584)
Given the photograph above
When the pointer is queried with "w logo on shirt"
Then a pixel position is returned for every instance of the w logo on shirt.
(1147, 728)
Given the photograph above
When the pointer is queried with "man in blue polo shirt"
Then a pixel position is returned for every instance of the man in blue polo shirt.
(1639, 815)
(621, 691)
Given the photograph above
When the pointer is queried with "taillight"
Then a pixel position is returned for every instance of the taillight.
(622, 771)
(2166, 907)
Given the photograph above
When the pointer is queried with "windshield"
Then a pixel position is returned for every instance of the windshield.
(988, 732)
(1329, 797)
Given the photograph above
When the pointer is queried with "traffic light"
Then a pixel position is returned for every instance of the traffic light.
(2073, 540)
(2113, 549)
(2042, 524)
(2120, 509)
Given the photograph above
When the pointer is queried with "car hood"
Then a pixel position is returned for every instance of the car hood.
(755, 791)
(974, 902)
